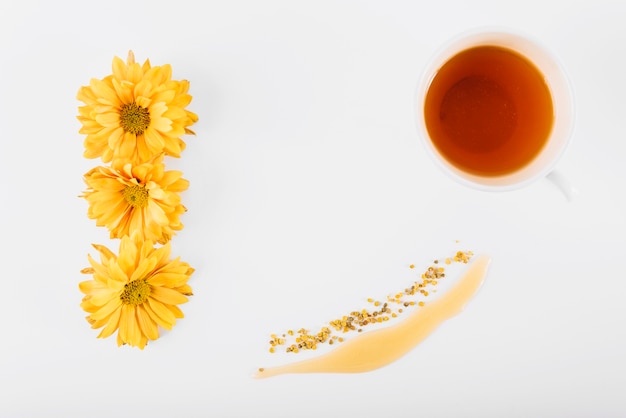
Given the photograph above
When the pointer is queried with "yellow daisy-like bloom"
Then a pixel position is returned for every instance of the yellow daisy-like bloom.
(135, 113)
(142, 198)
(136, 291)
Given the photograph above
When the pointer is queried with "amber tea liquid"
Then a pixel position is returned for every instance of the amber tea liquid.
(489, 111)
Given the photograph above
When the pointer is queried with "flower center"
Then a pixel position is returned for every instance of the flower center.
(134, 118)
(136, 195)
(135, 292)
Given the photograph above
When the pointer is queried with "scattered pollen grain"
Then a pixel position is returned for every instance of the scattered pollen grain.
(356, 320)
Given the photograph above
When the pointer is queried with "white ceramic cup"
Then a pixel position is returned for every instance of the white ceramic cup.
(542, 165)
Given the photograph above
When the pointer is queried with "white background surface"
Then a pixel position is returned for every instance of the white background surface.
(309, 193)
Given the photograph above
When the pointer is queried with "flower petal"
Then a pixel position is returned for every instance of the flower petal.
(167, 296)
(112, 325)
(148, 326)
(164, 314)
(107, 309)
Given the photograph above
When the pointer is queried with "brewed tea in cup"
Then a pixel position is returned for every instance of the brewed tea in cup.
(495, 110)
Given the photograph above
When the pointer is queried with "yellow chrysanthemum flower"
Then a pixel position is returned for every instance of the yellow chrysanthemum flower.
(142, 198)
(135, 113)
(136, 291)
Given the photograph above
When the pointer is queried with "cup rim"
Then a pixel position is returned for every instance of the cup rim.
(564, 106)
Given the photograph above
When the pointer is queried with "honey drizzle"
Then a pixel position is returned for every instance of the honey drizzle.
(375, 349)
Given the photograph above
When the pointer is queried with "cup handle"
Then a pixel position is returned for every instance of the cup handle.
(563, 184)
